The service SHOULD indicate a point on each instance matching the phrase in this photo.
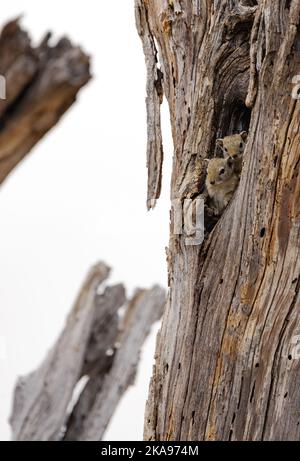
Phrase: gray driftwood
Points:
(41, 84)
(143, 310)
(101, 343)
(153, 101)
(231, 371)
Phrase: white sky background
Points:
(79, 198)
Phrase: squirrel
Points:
(233, 147)
(221, 182)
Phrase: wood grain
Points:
(101, 344)
(224, 368)
(41, 84)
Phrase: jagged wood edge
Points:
(41, 84)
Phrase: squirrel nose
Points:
(212, 182)
(235, 156)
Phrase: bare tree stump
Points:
(41, 84)
(230, 371)
(142, 311)
(100, 343)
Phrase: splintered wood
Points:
(101, 342)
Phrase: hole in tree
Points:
(287, 4)
(250, 2)
(238, 117)
(193, 416)
(171, 6)
(235, 117)
(231, 116)
(263, 232)
(240, 395)
(252, 393)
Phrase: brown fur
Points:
(233, 146)
(221, 182)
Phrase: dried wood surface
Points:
(99, 342)
(41, 84)
(230, 371)
(153, 101)
(144, 309)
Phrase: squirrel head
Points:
(219, 170)
(233, 146)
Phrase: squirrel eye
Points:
(222, 171)
(225, 148)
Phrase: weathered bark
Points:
(41, 84)
(225, 368)
(153, 102)
(41, 398)
(95, 344)
(143, 310)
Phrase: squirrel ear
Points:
(219, 142)
(205, 161)
(244, 135)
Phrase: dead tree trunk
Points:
(227, 365)
(40, 85)
(100, 343)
